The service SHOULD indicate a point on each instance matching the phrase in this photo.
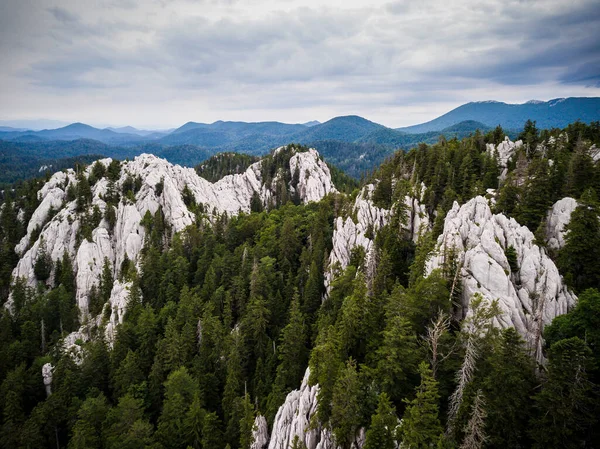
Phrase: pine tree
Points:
(397, 357)
(345, 407)
(507, 389)
(578, 258)
(247, 423)
(212, 436)
(43, 264)
(194, 421)
(566, 403)
(382, 433)
(421, 428)
(293, 353)
(87, 431)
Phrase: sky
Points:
(158, 64)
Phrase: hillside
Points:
(352, 143)
(556, 113)
(145, 306)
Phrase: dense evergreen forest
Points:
(224, 318)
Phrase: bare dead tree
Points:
(463, 378)
(475, 436)
(438, 327)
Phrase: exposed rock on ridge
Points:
(294, 419)
(558, 217)
(231, 194)
(365, 220)
(529, 297)
(504, 151)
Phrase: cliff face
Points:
(529, 289)
(558, 217)
(59, 222)
(295, 419)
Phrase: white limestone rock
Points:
(530, 298)
(314, 180)
(47, 370)
(294, 418)
(349, 233)
(505, 150)
(231, 194)
(119, 296)
(594, 153)
(260, 433)
(558, 217)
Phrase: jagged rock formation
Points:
(558, 217)
(364, 221)
(260, 433)
(530, 295)
(314, 180)
(504, 151)
(47, 370)
(59, 232)
(294, 418)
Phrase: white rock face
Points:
(529, 298)
(314, 180)
(558, 217)
(231, 194)
(47, 370)
(294, 417)
(505, 150)
(595, 153)
(260, 433)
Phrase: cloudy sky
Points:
(161, 63)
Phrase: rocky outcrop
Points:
(295, 419)
(314, 178)
(529, 294)
(260, 433)
(60, 222)
(364, 220)
(558, 217)
(504, 151)
(47, 370)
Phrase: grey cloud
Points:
(587, 74)
(62, 15)
(404, 52)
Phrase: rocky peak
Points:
(557, 218)
(56, 225)
(528, 287)
(365, 219)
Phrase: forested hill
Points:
(556, 113)
(450, 301)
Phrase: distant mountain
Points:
(221, 134)
(556, 113)
(312, 123)
(74, 131)
(346, 129)
(33, 125)
(10, 129)
(141, 132)
(352, 143)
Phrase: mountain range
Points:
(353, 143)
(556, 113)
